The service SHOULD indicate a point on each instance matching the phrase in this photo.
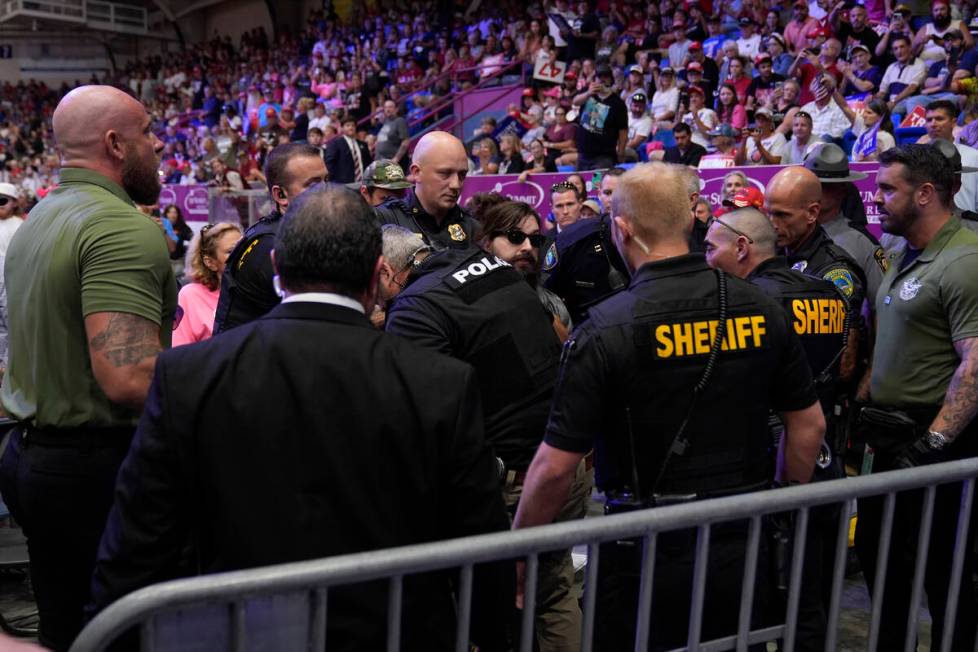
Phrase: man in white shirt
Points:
(639, 125)
(942, 115)
(9, 222)
(749, 43)
(827, 117)
(904, 77)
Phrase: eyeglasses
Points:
(415, 259)
(717, 220)
(517, 237)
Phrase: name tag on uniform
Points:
(695, 338)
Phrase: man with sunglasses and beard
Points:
(476, 306)
(511, 232)
(91, 302)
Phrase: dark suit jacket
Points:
(339, 160)
(305, 434)
(691, 157)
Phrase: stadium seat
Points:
(848, 140)
(566, 168)
(905, 135)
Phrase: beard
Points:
(140, 180)
(942, 22)
(527, 267)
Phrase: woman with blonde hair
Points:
(197, 301)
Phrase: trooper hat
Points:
(829, 163)
(382, 173)
(952, 154)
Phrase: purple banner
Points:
(191, 200)
(536, 190)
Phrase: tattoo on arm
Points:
(961, 399)
(127, 340)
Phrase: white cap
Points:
(8, 190)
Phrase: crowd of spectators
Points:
(756, 82)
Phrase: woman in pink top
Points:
(197, 302)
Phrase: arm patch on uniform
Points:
(550, 259)
(881, 259)
(842, 279)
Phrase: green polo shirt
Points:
(84, 249)
(922, 311)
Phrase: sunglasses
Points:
(717, 220)
(563, 186)
(4, 201)
(517, 237)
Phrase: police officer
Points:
(582, 265)
(742, 243)
(247, 291)
(475, 307)
(922, 390)
(626, 388)
(439, 166)
(829, 163)
(895, 245)
(793, 202)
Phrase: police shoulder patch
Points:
(881, 259)
(550, 259)
(842, 278)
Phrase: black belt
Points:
(75, 437)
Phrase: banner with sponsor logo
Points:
(536, 190)
(191, 200)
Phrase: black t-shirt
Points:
(599, 124)
(867, 37)
(473, 307)
(628, 372)
(760, 88)
(579, 47)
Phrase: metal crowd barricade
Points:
(244, 207)
(218, 612)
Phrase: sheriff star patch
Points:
(550, 260)
(842, 279)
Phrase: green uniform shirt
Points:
(922, 311)
(84, 249)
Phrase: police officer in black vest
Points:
(438, 166)
(475, 307)
(247, 291)
(582, 265)
(655, 381)
(742, 243)
(793, 202)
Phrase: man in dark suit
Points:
(686, 152)
(307, 433)
(346, 156)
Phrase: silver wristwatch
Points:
(936, 440)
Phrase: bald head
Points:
(797, 182)
(439, 166)
(86, 114)
(793, 200)
(756, 226)
(739, 241)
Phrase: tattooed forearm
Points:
(127, 340)
(961, 399)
